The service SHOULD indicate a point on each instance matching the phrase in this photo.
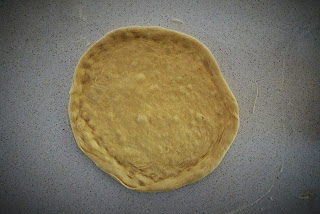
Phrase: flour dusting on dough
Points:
(98, 75)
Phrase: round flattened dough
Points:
(150, 107)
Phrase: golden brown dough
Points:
(150, 107)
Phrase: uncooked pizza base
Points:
(151, 108)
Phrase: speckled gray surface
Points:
(272, 43)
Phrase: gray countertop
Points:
(273, 165)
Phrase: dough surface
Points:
(150, 107)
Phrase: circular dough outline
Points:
(106, 162)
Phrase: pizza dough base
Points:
(151, 108)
